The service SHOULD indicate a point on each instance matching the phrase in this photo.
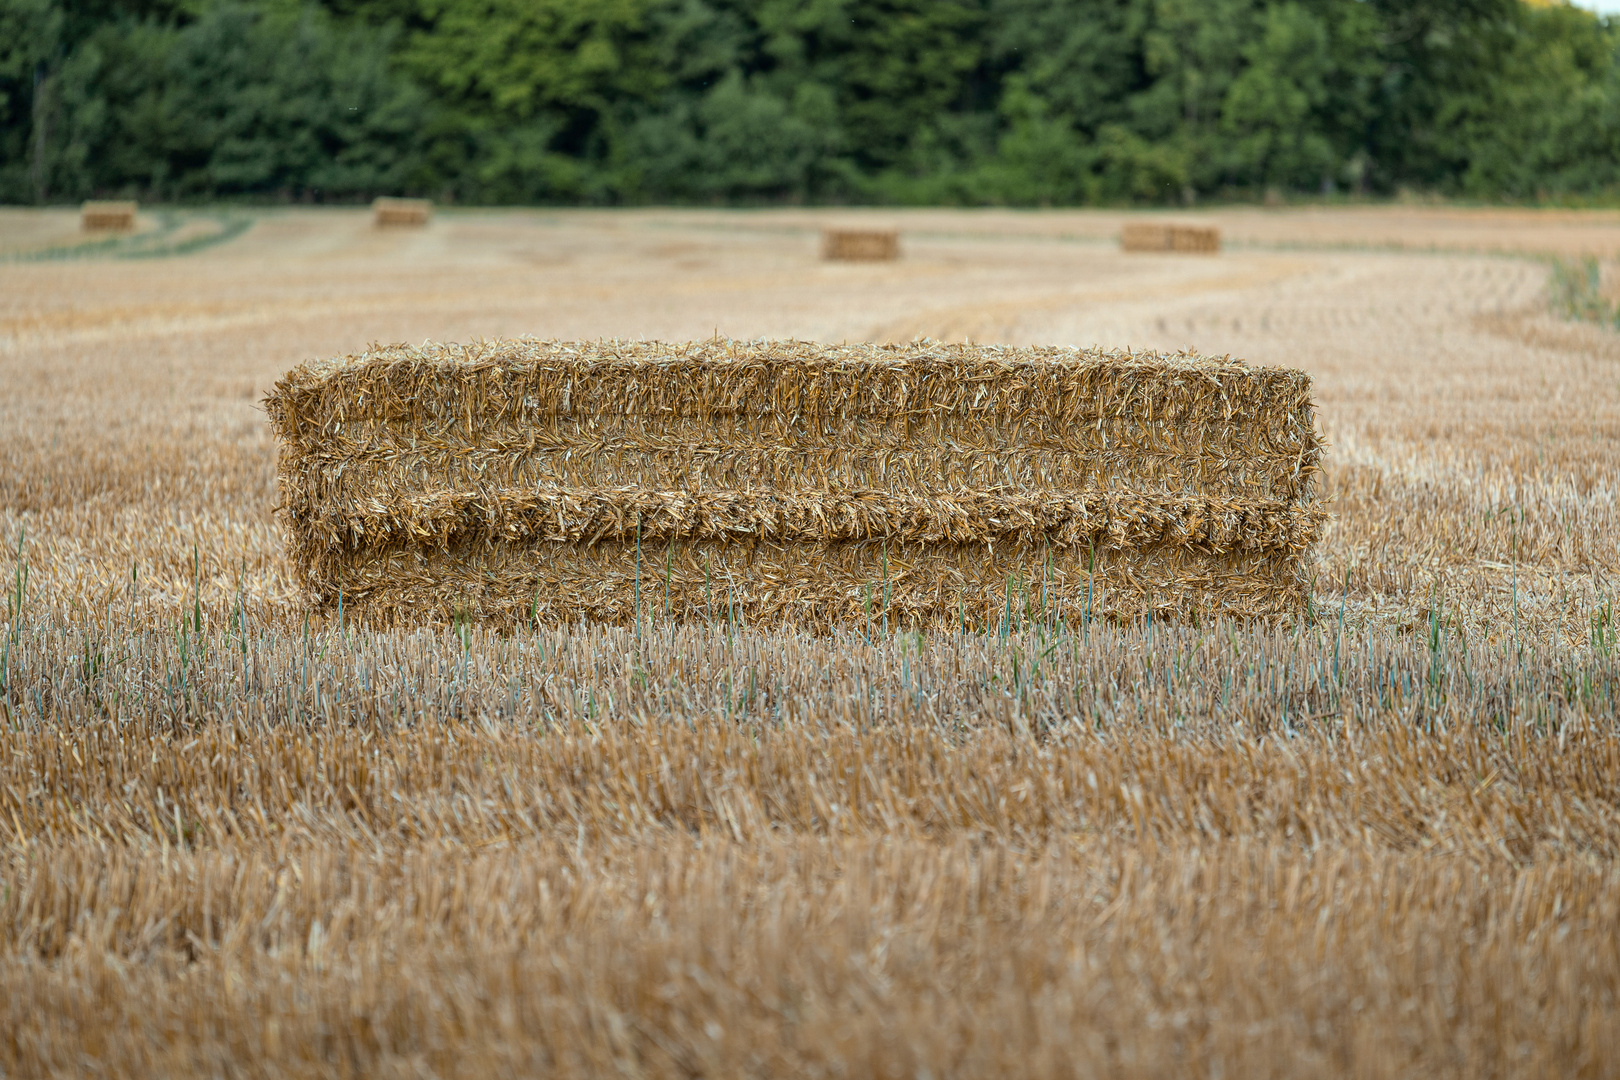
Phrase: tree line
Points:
(1015, 102)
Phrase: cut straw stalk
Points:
(508, 480)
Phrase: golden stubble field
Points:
(1386, 840)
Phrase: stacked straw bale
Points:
(860, 245)
(784, 482)
(388, 212)
(97, 216)
(1188, 239)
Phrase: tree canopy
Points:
(1019, 102)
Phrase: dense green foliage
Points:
(959, 101)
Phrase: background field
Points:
(1384, 839)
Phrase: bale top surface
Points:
(725, 355)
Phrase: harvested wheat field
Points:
(248, 831)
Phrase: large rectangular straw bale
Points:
(794, 483)
(860, 245)
(101, 216)
(1192, 239)
(385, 212)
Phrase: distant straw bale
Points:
(95, 216)
(860, 245)
(401, 211)
(789, 483)
(1188, 239)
